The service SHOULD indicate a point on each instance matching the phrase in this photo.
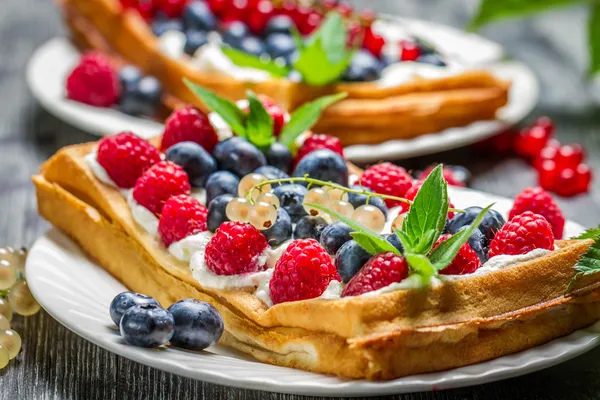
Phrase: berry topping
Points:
(188, 124)
(276, 112)
(281, 229)
(280, 45)
(373, 42)
(303, 272)
(141, 97)
(466, 261)
(389, 179)
(380, 271)
(124, 301)
(217, 212)
(325, 165)
(309, 227)
(236, 248)
(291, 198)
(239, 156)
(538, 201)
(94, 81)
(125, 157)
(532, 140)
(259, 16)
(182, 216)
(196, 161)
(197, 324)
(221, 182)
(279, 156)
(569, 156)
(147, 325)
(522, 234)
(320, 141)
(158, 184)
(492, 222)
(349, 259)
(234, 33)
(193, 41)
(358, 200)
(364, 67)
(334, 236)
(171, 8)
(409, 50)
(280, 24)
(198, 17)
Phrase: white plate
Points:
(77, 292)
(52, 62)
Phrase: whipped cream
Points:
(199, 194)
(406, 71)
(186, 247)
(92, 160)
(172, 43)
(142, 216)
(210, 58)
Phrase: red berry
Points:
(276, 112)
(125, 157)
(146, 9)
(158, 184)
(320, 141)
(547, 174)
(182, 216)
(300, 15)
(236, 248)
(128, 3)
(412, 193)
(566, 183)
(448, 175)
(373, 42)
(354, 31)
(303, 272)
(539, 201)
(584, 178)
(531, 141)
(547, 124)
(549, 152)
(380, 271)
(236, 10)
(288, 8)
(312, 22)
(188, 124)
(389, 179)
(522, 234)
(218, 7)
(569, 156)
(171, 8)
(499, 144)
(465, 262)
(94, 81)
(259, 15)
(409, 50)
(344, 9)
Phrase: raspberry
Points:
(537, 200)
(171, 8)
(125, 157)
(412, 193)
(523, 233)
(188, 124)
(94, 81)
(158, 184)
(303, 272)
(275, 111)
(465, 262)
(409, 50)
(182, 216)
(449, 174)
(235, 249)
(373, 42)
(380, 271)
(259, 16)
(387, 178)
(316, 142)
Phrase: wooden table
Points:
(57, 364)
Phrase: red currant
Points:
(373, 42)
(218, 7)
(236, 11)
(288, 8)
(569, 156)
(545, 123)
(547, 153)
(312, 22)
(409, 50)
(345, 9)
(300, 16)
(566, 183)
(172, 8)
(584, 178)
(548, 174)
(259, 16)
(531, 141)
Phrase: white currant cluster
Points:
(257, 206)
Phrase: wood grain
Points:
(57, 364)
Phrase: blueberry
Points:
(197, 324)
(363, 67)
(325, 165)
(460, 173)
(239, 156)
(334, 236)
(124, 301)
(221, 182)
(281, 229)
(279, 156)
(289, 60)
(252, 45)
(480, 244)
(309, 227)
(424, 47)
(234, 33)
(193, 41)
(195, 161)
(280, 45)
(349, 259)
(130, 76)
(217, 212)
(358, 200)
(290, 199)
(143, 99)
(280, 24)
(393, 239)
(147, 325)
(271, 172)
(160, 27)
(433, 59)
(492, 221)
(198, 16)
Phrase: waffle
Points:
(370, 114)
(380, 337)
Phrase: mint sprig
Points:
(259, 124)
(243, 59)
(589, 263)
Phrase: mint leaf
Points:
(594, 39)
(592, 233)
(366, 242)
(305, 117)
(420, 264)
(334, 35)
(589, 263)
(428, 212)
(259, 124)
(445, 252)
(404, 239)
(232, 115)
(248, 60)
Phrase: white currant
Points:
(22, 301)
(370, 217)
(4, 323)
(5, 308)
(262, 215)
(4, 357)
(11, 341)
(270, 198)
(342, 207)
(336, 194)
(314, 196)
(8, 274)
(248, 182)
(238, 209)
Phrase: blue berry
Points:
(280, 24)
(271, 172)
(349, 259)
(197, 16)
(334, 236)
(433, 59)
(160, 27)
(424, 47)
(195, 161)
(197, 324)
(363, 67)
(309, 227)
(281, 229)
(393, 239)
(280, 157)
(239, 156)
(325, 165)
(234, 33)
(143, 98)
(130, 76)
(280, 45)
(217, 212)
(193, 41)
(221, 182)
(480, 244)
(147, 325)
(124, 301)
(252, 45)
(290, 199)
(492, 221)
(289, 60)
(358, 200)
(461, 173)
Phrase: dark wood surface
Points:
(57, 364)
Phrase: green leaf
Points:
(367, 242)
(420, 264)
(445, 252)
(589, 263)
(305, 117)
(493, 10)
(592, 233)
(428, 212)
(232, 115)
(243, 59)
(259, 124)
(405, 240)
(594, 39)
(297, 38)
(334, 35)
